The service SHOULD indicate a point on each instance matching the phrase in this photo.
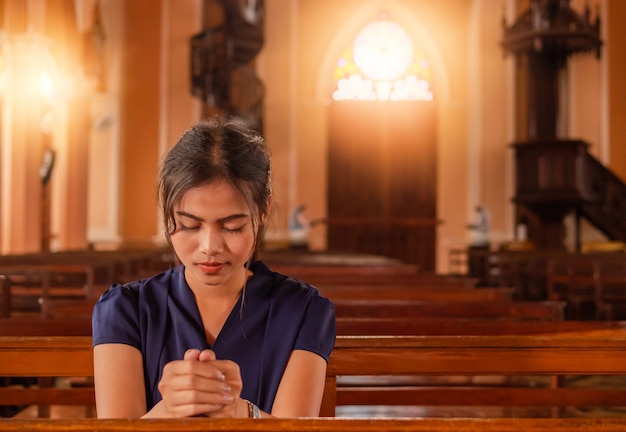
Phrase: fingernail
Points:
(226, 389)
(228, 397)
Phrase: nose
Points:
(212, 241)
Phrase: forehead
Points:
(217, 198)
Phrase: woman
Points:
(220, 335)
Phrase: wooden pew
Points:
(317, 425)
(562, 355)
(363, 275)
(41, 282)
(46, 359)
(353, 356)
(80, 325)
(111, 265)
(402, 292)
(387, 308)
(394, 308)
(435, 326)
(71, 274)
(531, 310)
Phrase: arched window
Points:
(382, 64)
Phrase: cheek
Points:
(182, 241)
(242, 244)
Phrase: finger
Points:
(192, 354)
(228, 367)
(207, 355)
(184, 403)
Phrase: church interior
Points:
(470, 142)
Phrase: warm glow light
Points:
(46, 84)
(382, 65)
(383, 50)
(29, 70)
(354, 88)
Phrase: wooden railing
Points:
(316, 425)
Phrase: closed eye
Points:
(233, 229)
(188, 228)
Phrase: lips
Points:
(211, 268)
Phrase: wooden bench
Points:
(368, 276)
(79, 325)
(29, 281)
(39, 283)
(393, 308)
(354, 356)
(546, 274)
(316, 425)
(402, 292)
(435, 326)
(561, 355)
(42, 360)
(520, 310)
(588, 282)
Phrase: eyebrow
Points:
(222, 220)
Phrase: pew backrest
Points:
(512, 355)
(521, 310)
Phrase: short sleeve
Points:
(115, 318)
(318, 331)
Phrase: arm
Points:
(302, 386)
(118, 381)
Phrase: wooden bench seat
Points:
(316, 425)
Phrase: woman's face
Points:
(214, 236)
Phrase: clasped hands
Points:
(199, 384)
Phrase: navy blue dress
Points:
(159, 317)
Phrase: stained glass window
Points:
(382, 64)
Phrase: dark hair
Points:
(217, 149)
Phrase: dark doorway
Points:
(382, 179)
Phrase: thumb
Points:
(207, 355)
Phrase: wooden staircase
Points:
(222, 55)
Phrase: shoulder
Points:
(147, 289)
(289, 289)
(120, 313)
(282, 283)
